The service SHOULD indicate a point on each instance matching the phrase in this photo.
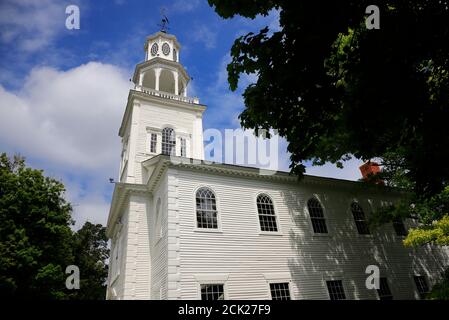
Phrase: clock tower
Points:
(160, 117)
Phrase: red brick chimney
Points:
(370, 169)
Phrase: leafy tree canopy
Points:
(335, 89)
(90, 247)
(37, 243)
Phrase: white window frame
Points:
(370, 234)
(217, 205)
(155, 135)
(333, 276)
(183, 145)
(309, 218)
(158, 132)
(276, 215)
(389, 287)
(175, 136)
(213, 278)
(345, 292)
(426, 279)
(278, 277)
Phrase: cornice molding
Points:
(255, 173)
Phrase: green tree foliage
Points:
(90, 249)
(37, 243)
(35, 234)
(440, 291)
(434, 218)
(336, 89)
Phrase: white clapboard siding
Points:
(245, 255)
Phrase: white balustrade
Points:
(167, 95)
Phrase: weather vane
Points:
(164, 22)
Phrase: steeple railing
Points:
(167, 95)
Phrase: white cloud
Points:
(66, 117)
(90, 201)
(183, 6)
(31, 25)
(68, 121)
(204, 35)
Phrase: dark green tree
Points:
(35, 234)
(336, 89)
(90, 249)
(37, 242)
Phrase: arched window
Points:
(317, 216)
(168, 142)
(267, 217)
(359, 218)
(206, 209)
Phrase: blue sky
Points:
(63, 92)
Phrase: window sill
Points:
(321, 235)
(207, 230)
(148, 153)
(270, 233)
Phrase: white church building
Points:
(182, 228)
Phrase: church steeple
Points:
(161, 73)
(160, 118)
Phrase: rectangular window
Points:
(421, 285)
(153, 143)
(384, 292)
(212, 292)
(183, 147)
(336, 290)
(280, 291)
(399, 227)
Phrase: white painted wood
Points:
(167, 256)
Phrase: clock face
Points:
(165, 49)
(154, 49)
